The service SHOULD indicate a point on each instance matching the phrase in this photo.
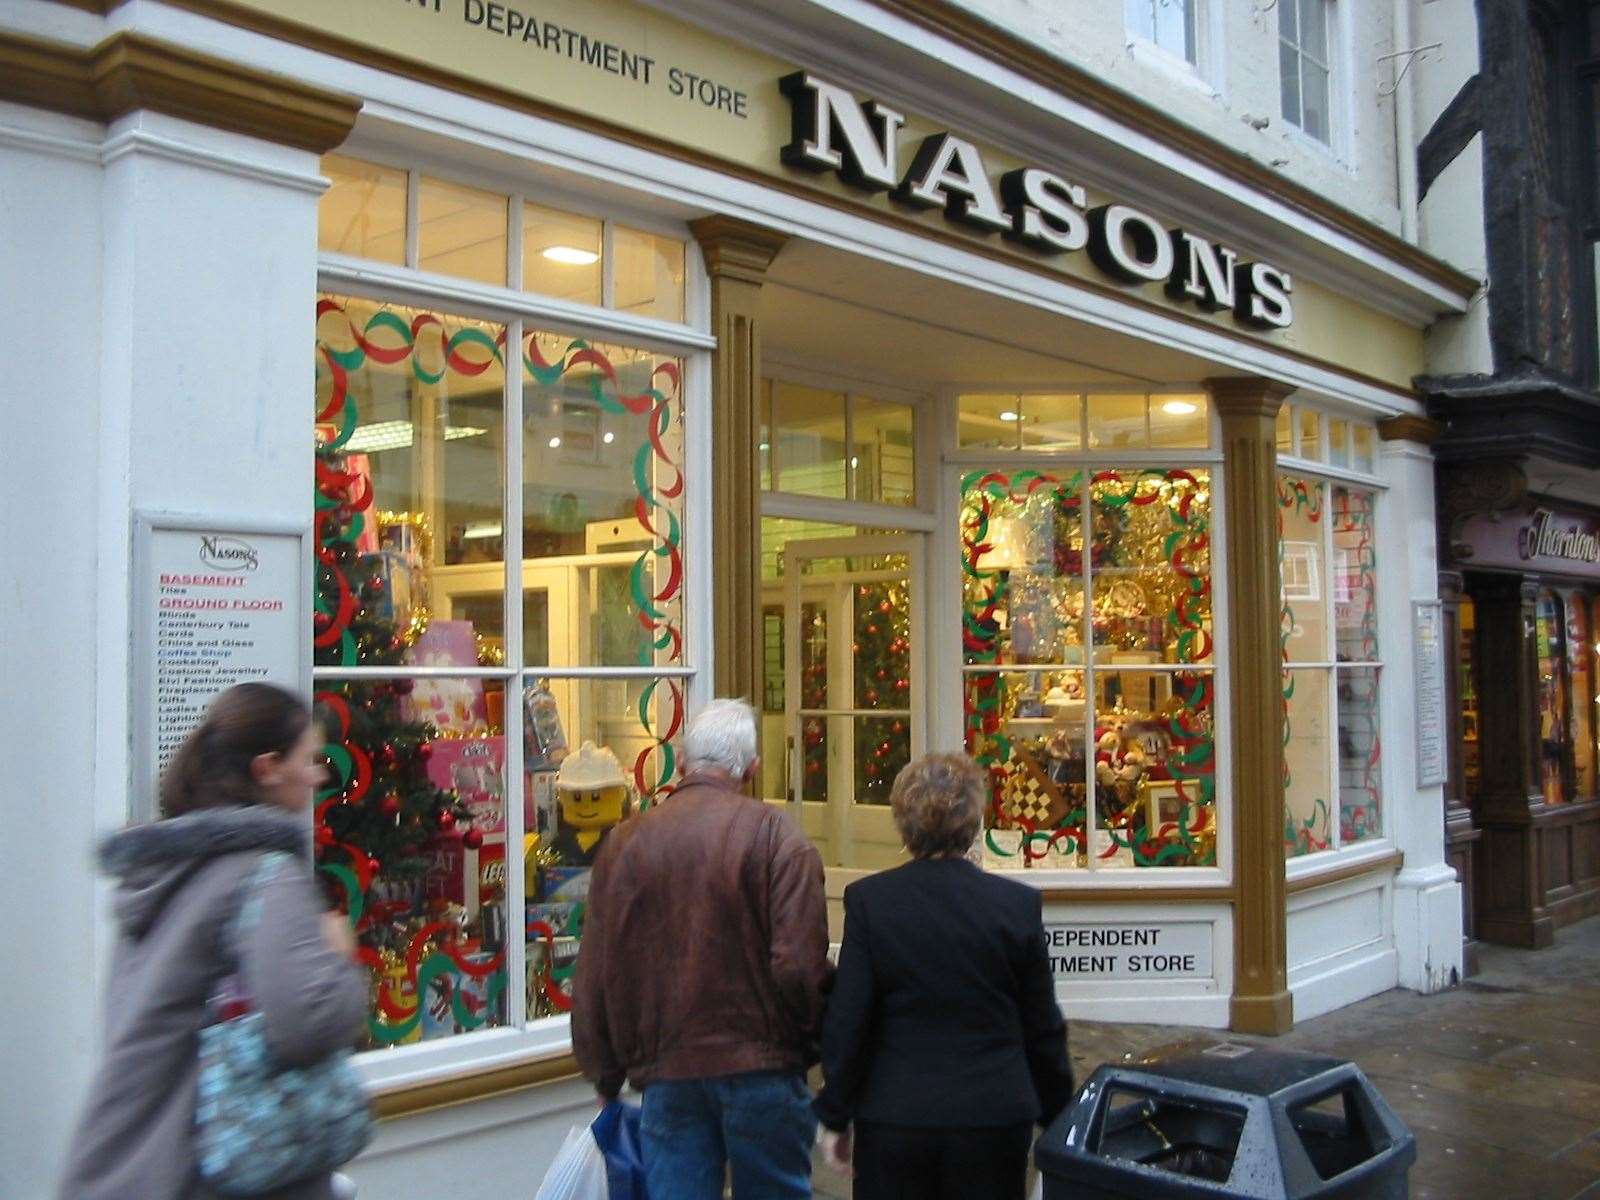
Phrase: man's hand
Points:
(836, 1151)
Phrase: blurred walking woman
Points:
(942, 1041)
(237, 789)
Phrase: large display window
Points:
(1328, 635)
(500, 646)
(1088, 639)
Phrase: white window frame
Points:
(1340, 854)
(1206, 69)
(948, 671)
(519, 1040)
(1333, 33)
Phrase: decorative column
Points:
(1510, 906)
(737, 256)
(1460, 834)
(1427, 894)
(1249, 409)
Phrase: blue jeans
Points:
(760, 1123)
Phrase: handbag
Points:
(260, 1126)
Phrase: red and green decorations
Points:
(1356, 641)
(1301, 501)
(1087, 607)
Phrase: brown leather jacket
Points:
(705, 943)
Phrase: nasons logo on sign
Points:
(830, 130)
(227, 553)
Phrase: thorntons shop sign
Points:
(830, 130)
(1534, 539)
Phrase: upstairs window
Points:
(1170, 24)
(1303, 64)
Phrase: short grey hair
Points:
(937, 803)
(722, 736)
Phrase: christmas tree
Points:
(883, 680)
(380, 809)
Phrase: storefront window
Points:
(836, 445)
(1555, 732)
(1580, 676)
(464, 232)
(410, 640)
(1087, 636)
(363, 212)
(1328, 564)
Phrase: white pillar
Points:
(1427, 895)
(160, 307)
(49, 610)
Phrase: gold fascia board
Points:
(950, 20)
(470, 1085)
(129, 72)
(350, 50)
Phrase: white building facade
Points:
(569, 368)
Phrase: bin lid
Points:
(1237, 1067)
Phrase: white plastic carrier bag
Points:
(578, 1172)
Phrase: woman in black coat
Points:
(943, 1045)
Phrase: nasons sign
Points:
(830, 130)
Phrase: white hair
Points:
(722, 735)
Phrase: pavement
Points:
(1499, 1078)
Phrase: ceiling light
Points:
(574, 256)
(854, 462)
(555, 443)
(480, 531)
(1010, 415)
(398, 435)
(608, 437)
(768, 446)
(1178, 408)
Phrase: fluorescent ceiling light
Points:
(608, 437)
(555, 443)
(1178, 408)
(571, 255)
(398, 435)
(768, 446)
(480, 531)
(854, 462)
(1009, 415)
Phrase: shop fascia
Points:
(830, 130)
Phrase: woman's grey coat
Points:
(180, 886)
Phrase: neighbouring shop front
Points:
(1525, 584)
(513, 413)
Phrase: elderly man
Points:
(701, 974)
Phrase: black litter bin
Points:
(1230, 1120)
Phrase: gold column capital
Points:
(1408, 428)
(130, 71)
(1247, 395)
(736, 249)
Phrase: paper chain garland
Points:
(388, 339)
(1191, 758)
(1314, 833)
(1352, 525)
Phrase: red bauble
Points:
(324, 836)
(447, 820)
(472, 839)
(373, 864)
(424, 751)
(885, 607)
(386, 754)
(389, 806)
(321, 620)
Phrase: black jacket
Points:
(943, 1013)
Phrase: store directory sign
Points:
(216, 603)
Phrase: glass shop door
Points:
(853, 702)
